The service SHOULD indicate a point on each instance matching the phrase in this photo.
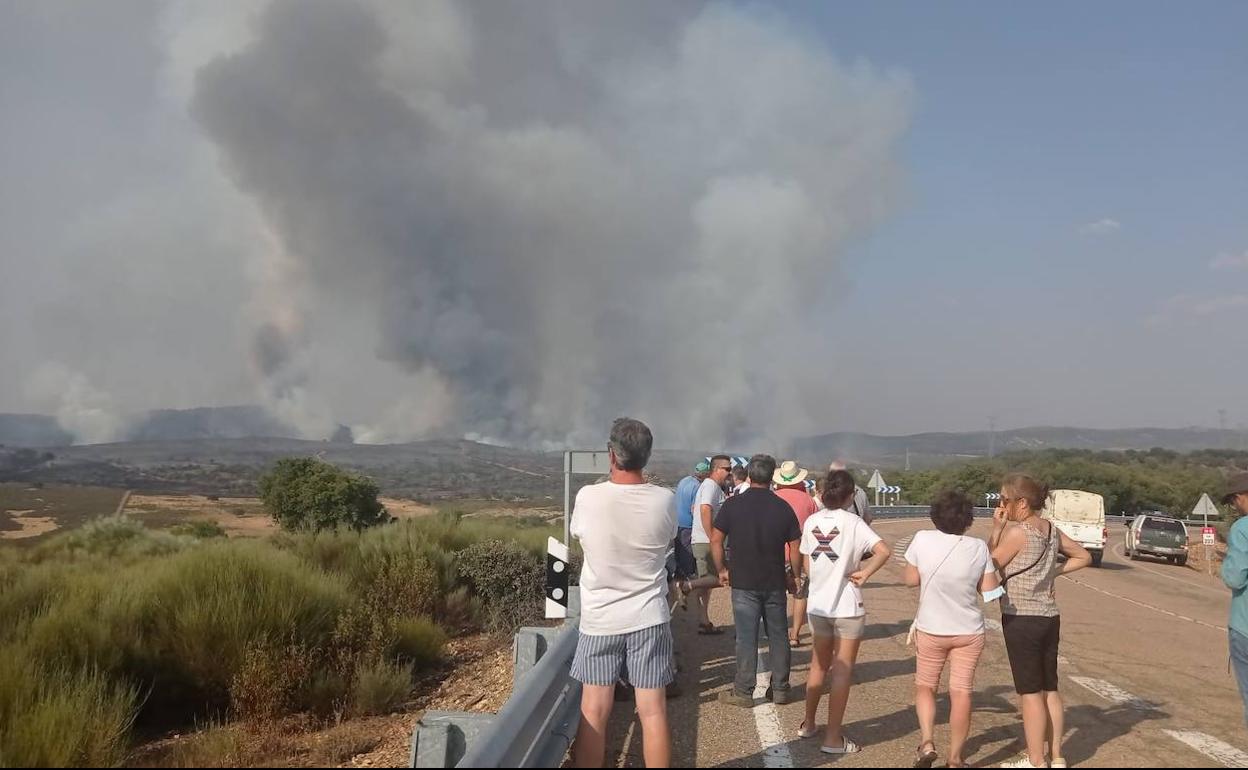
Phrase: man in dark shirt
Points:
(758, 523)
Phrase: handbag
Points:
(923, 590)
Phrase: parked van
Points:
(1081, 515)
(1154, 535)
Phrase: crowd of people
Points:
(793, 556)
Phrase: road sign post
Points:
(876, 483)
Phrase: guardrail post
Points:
(442, 737)
(529, 647)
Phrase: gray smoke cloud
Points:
(548, 215)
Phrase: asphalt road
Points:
(1144, 674)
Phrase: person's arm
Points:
(989, 582)
(911, 576)
(1077, 557)
(717, 554)
(796, 561)
(1006, 545)
(880, 555)
(708, 525)
(999, 525)
(1235, 565)
(866, 509)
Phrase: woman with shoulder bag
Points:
(951, 571)
(1025, 548)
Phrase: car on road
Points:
(1153, 535)
(1081, 516)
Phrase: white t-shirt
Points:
(710, 494)
(744, 486)
(835, 541)
(625, 531)
(950, 592)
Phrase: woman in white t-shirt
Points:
(833, 543)
(952, 571)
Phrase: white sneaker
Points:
(1022, 762)
(1057, 763)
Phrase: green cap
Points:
(702, 467)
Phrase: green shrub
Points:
(304, 494)
(200, 530)
(380, 688)
(271, 681)
(55, 717)
(418, 641)
(508, 578)
(115, 538)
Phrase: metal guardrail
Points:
(536, 725)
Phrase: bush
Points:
(200, 530)
(418, 641)
(380, 688)
(509, 580)
(271, 681)
(113, 538)
(306, 494)
(55, 717)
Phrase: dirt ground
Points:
(28, 512)
(474, 676)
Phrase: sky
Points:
(735, 221)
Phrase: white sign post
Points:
(1204, 509)
(876, 483)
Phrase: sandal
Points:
(684, 589)
(803, 732)
(926, 758)
(849, 748)
(709, 629)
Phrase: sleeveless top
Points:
(1032, 593)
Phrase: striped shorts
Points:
(642, 658)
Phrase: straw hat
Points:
(789, 474)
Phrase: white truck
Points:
(1081, 516)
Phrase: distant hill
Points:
(32, 430)
(210, 422)
(928, 449)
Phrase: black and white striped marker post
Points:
(556, 579)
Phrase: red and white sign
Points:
(1210, 535)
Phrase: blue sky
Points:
(1033, 123)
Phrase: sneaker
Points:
(1057, 763)
(781, 698)
(733, 698)
(1021, 762)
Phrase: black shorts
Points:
(1031, 643)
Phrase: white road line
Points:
(1211, 747)
(770, 731)
(1120, 550)
(1142, 604)
(1113, 694)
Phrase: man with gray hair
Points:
(758, 524)
(625, 526)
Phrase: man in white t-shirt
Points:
(706, 507)
(625, 527)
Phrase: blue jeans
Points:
(748, 607)
(1239, 659)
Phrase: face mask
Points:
(994, 594)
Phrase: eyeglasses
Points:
(723, 467)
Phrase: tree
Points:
(304, 494)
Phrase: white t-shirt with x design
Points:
(836, 541)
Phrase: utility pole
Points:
(992, 437)
(907, 459)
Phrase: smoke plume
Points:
(548, 215)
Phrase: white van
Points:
(1081, 515)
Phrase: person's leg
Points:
(649, 660)
(929, 664)
(824, 645)
(779, 654)
(591, 737)
(747, 607)
(799, 620)
(596, 665)
(705, 582)
(1239, 659)
(656, 739)
(1052, 700)
(843, 657)
(1035, 725)
(964, 659)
